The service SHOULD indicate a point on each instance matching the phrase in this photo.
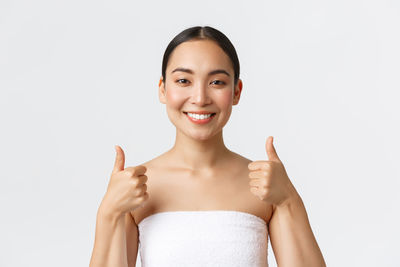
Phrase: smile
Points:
(199, 118)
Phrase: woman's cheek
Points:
(174, 98)
(226, 99)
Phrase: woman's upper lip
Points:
(199, 112)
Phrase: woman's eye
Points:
(221, 82)
(181, 80)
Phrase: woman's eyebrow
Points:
(210, 73)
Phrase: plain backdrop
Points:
(78, 77)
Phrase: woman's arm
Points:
(292, 239)
(110, 248)
(132, 238)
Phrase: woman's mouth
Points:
(199, 118)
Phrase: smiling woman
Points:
(199, 203)
(200, 75)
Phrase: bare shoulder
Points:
(233, 185)
(153, 168)
(265, 210)
(242, 161)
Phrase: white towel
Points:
(203, 238)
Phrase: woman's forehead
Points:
(199, 56)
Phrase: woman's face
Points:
(197, 89)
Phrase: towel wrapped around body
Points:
(203, 238)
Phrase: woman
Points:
(200, 204)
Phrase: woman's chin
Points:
(201, 136)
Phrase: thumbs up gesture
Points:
(127, 187)
(268, 178)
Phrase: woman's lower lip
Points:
(200, 121)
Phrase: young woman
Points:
(199, 203)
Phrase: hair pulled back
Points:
(203, 33)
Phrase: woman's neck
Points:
(199, 155)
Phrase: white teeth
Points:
(199, 117)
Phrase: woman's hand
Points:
(269, 180)
(127, 187)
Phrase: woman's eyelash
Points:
(221, 82)
(181, 80)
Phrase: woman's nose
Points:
(200, 95)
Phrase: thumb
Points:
(119, 159)
(271, 152)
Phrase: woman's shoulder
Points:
(240, 159)
(156, 162)
(153, 169)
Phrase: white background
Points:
(78, 77)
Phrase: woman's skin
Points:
(199, 148)
(200, 173)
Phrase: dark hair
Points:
(203, 33)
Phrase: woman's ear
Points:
(161, 91)
(237, 91)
